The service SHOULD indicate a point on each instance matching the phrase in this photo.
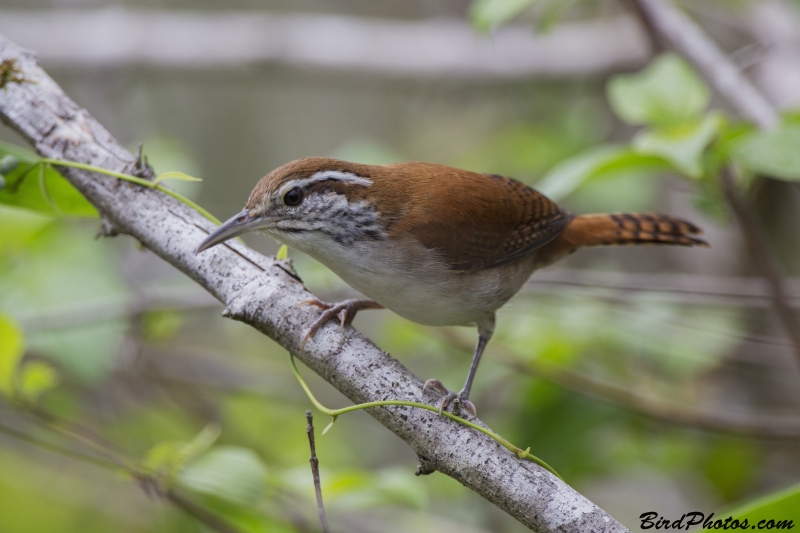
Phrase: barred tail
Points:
(608, 230)
(603, 230)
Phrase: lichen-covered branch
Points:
(263, 293)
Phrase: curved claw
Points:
(316, 303)
(329, 313)
(346, 310)
(467, 406)
(447, 399)
(436, 385)
(450, 398)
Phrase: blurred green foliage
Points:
(667, 93)
(488, 15)
(209, 408)
(40, 188)
(781, 506)
(11, 350)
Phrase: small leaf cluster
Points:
(51, 194)
(231, 473)
(21, 380)
(46, 192)
(488, 15)
(679, 135)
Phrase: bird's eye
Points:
(293, 197)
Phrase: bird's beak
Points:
(229, 229)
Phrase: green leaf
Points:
(12, 346)
(283, 253)
(24, 189)
(202, 442)
(774, 153)
(171, 158)
(603, 161)
(778, 506)
(668, 92)
(553, 13)
(36, 378)
(60, 273)
(683, 145)
(160, 325)
(329, 426)
(19, 228)
(231, 473)
(167, 458)
(488, 15)
(571, 173)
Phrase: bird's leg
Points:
(346, 311)
(485, 332)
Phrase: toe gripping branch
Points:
(345, 310)
(450, 397)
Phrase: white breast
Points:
(414, 283)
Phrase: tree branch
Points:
(151, 485)
(698, 289)
(261, 292)
(211, 520)
(761, 255)
(426, 48)
(688, 38)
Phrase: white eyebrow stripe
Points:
(324, 175)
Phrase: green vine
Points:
(334, 414)
(133, 179)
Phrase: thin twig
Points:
(315, 472)
(744, 291)
(79, 434)
(149, 483)
(203, 515)
(55, 448)
(755, 239)
(652, 35)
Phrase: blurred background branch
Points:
(201, 40)
(152, 484)
(650, 379)
(688, 38)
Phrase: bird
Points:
(435, 244)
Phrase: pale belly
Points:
(415, 285)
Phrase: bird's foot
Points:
(345, 310)
(459, 400)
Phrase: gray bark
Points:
(259, 291)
